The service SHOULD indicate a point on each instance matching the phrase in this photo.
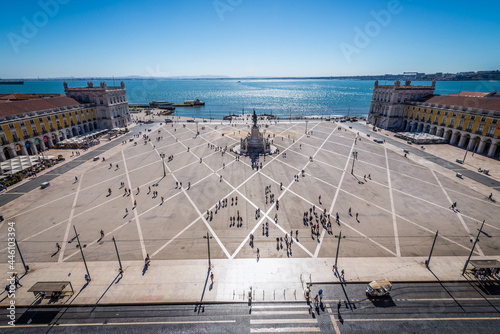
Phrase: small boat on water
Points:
(11, 82)
(191, 103)
(162, 105)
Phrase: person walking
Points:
(339, 305)
(212, 277)
(120, 272)
(258, 254)
(350, 212)
(102, 234)
(357, 216)
(58, 247)
(76, 179)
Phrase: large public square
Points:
(401, 205)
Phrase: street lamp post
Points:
(472, 250)
(117, 254)
(306, 126)
(432, 248)
(162, 155)
(208, 237)
(26, 268)
(354, 157)
(338, 247)
(81, 251)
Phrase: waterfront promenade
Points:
(401, 203)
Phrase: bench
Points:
(52, 289)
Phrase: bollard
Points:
(295, 294)
(284, 296)
(274, 293)
(263, 295)
(234, 293)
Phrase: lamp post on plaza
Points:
(162, 155)
(26, 268)
(81, 251)
(306, 126)
(354, 157)
(208, 237)
(472, 250)
(338, 247)
(197, 132)
(117, 254)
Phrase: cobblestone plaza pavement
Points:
(401, 206)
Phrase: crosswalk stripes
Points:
(291, 318)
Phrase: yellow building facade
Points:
(472, 128)
(33, 132)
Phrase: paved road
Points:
(424, 307)
(481, 178)
(51, 174)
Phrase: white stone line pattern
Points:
(196, 208)
(266, 214)
(318, 247)
(466, 228)
(138, 223)
(70, 220)
(393, 209)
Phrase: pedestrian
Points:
(258, 254)
(162, 200)
(16, 280)
(102, 234)
(342, 274)
(87, 278)
(297, 235)
(147, 261)
(356, 216)
(58, 246)
(369, 176)
(339, 305)
(126, 211)
(120, 272)
(76, 179)
(189, 185)
(135, 203)
(491, 196)
(212, 277)
(350, 212)
(319, 199)
(263, 229)
(138, 190)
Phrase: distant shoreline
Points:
(488, 77)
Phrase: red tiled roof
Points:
(470, 94)
(27, 106)
(464, 101)
(18, 96)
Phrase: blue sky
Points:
(241, 38)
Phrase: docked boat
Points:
(11, 82)
(162, 105)
(191, 103)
